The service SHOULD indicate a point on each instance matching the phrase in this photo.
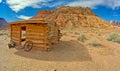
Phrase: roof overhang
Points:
(30, 21)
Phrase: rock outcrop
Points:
(72, 17)
(114, 23)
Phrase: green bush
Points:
(117, 40)
(114, 37)
(82, 38)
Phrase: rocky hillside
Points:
(72, 17)
(3, 23)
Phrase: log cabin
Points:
(35, 33)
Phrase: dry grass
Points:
(77, 33)
(4, 32)
(94, 43)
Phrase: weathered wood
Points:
(29, 21)
(16, 32)
(15, 38)
(16, 29)
(36, 30)
(16, 35)
(37, 37)
(36, 34)
(11, 31)
(40, 33)
(17, 42)
(38, 41)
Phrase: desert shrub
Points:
(114, 37)
(82, 38)
(3, 34)
(94, 43)
(99, 34)
(117, 40)
(77, 33)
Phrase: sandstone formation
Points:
(72, 17)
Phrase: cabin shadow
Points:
(64, 51)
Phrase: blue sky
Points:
(13, 10)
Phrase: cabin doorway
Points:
(23, 34)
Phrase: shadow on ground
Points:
(64, 51)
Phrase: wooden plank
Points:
(39, 41)
(38, 25)
(16, 35)
(16, 32)
(36, 30)
(35, 27)
(15, 38)
(16, 28)
(10, 31)
(17, 42)
(36, 34)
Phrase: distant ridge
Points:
(115, 23)
(3, 24)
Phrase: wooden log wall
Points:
(16, 34)
(54, 34)
(37, 34)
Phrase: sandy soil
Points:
(69, 55)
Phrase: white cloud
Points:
(24, 17)
(57, 4)
(86, 3)
(17, 5)
(113, 3)
(93, 3)
(0, 1)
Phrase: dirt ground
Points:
(69, 55)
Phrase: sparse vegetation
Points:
(114, 37)
(64, 33)
(99, 34)
(94, 43)
(117, 40)
(2, 32)
(76, 33)
(82, 38)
